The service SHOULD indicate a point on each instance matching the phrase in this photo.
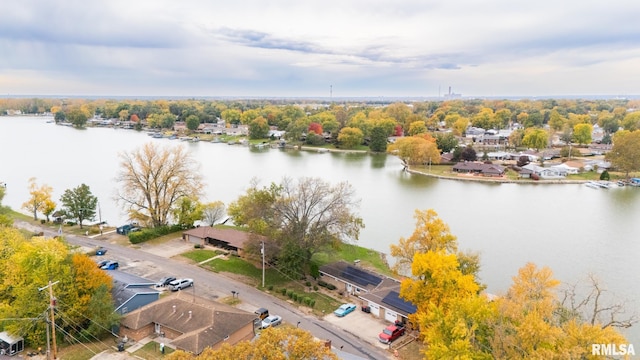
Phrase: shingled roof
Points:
(235, 238)
(201, 322)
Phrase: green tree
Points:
(40, 197)
(582, 133)
(309, 212)
(192, 122)
(152, 179)
(350, 137)
(535, 138)
(77, 117)
(231, 116)
(446, 142)
(378, 139)
(631, 121)
(59, 116)
(625, 153)
(187, 211)
(258, 128)
(79, 203)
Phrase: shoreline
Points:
(497, 180)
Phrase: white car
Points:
(272, 320)
(180, 284)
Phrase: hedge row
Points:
(326, 285)
(299, 298)
(152, 233)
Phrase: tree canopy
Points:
(79, 203)
(153, 178)
(40, 198)
(625, 154)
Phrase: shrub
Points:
(198, 246)
(289, 294)
(315, 287)
(283, 291)
(42, 221)
(322, 283)
(308, 283)
(312, 303)
(270, 287)
(152, 233)
(314, 270)
(331, 287)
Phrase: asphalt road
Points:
(212, 285)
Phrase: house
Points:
(545, 173)
(380, 293)
(479, 168)
(131, 292)
(564, 169)
(189, 323)
(228, 239)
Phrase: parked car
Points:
(101, 251)
(165, 281)
(135, 228)
(390, 333)
(262, 314)
(111, 265)
(271, 320)
(180, 284)
(124, 229)
(344, 309)
(102, 263)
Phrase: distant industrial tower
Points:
(330, 92)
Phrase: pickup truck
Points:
(390, 333)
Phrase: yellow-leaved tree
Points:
(40, 200)
(273, 344)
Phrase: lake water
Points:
(573, 229)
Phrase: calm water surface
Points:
(573, 229)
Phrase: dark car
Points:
(101, 251)
(124, 229)
(111, 265)
(165, 281)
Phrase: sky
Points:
(308, 48)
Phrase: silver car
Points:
(180, 284)
(272, 320)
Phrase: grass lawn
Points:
(201, 255)
(348, 252)
(151, 350)
(85, 351)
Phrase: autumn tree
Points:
(417, 127)
(315, 128)
(40, 196)
(82, 288)
(350, 137)
(416, 150)
(303, 215)
(273, 344)
(582, 133)
(187, 211)
(258, 128)
(77, 117)
(5, 218)
(625, 153)
(631, 121)
(535, 138)
(213, 212)
(48, 208)
(79, 203)
(152, 179)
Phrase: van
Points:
(262, 313)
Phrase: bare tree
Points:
(213, 212)
(595, 307)
(152, 179)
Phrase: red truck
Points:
(390, 333)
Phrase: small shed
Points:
(10, 345)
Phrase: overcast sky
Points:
(300, 48)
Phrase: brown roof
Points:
(202, 322)
(235, 238)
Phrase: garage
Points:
(375, 309)
(390, 316)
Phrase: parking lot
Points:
(360, 324)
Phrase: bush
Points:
(294, 297)
(331, 287)
(322, 283)
(152, 233)
(315, 287)
(290, 294)
(308, 284)
(42, 221)
(270, 287)
(198, 246)
(283, 291)
(314, 270)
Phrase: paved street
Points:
(355, 334)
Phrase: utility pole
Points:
(52, 306)
(262, 251)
